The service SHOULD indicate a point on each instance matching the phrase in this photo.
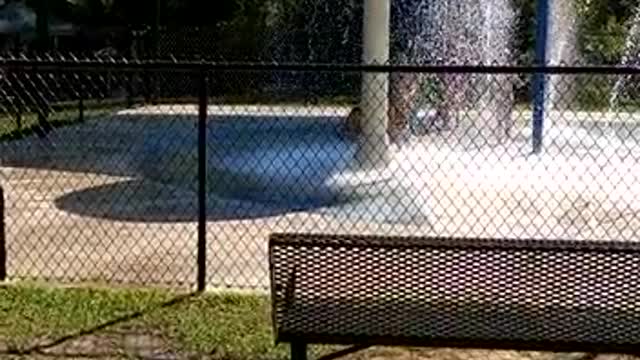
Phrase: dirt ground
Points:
(127, 344)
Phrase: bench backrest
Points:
(518, 294)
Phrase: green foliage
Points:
(605, 45)
(525, 30)
(245, 29)
(248, 27)
(603, 28)
(317, 31)
(594, 13)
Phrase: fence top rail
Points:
(13, 64)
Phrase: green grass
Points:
(63, 115)
(230, 326)
(221, 325)
(9, 129)
(30, 312)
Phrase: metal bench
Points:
(463, 293)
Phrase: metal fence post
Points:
(129, 90)
(3, 238)
(539, 78)
(155, 48)
(15, 101)
(81, 106)
(19, 120)
(202, 180)
(43, 40)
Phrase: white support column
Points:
(374, 147)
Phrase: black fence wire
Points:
(103, 183)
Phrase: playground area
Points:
(78, 207)
(149, 151)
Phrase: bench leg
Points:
(298, 351)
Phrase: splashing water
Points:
(631, 57)
(562, 50)
(422, 32)
(497, 44)
(463, 32)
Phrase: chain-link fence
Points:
(101, 185)
(116, 172)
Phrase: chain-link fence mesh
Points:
(175, 174)
(72, 146)
(104, 181)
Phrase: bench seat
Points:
(467, 293)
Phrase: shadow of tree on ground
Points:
(116, 338)
(143, 200)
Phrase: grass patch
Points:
(9, 129)
(207, 326)
(228, 326)
(29, 313)
(217, 325)
(63, 115)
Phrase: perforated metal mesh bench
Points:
(467, 293)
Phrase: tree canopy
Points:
(245, 23)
